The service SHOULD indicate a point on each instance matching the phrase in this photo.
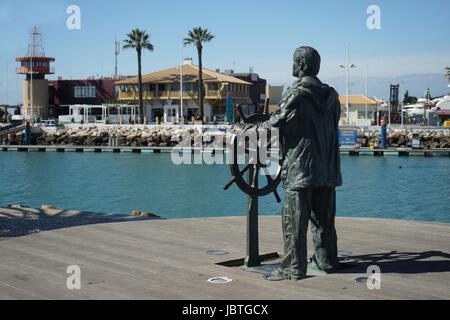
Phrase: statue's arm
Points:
(282, 117)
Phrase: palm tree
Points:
(138, 39)
(197, 36)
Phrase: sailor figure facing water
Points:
(307, 118)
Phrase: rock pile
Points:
(398, 138)
(121, 135)
(169, 136)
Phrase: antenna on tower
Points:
(116, 52)
(35, 47)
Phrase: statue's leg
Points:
(295, 216)
(323, 229)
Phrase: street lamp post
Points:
(365, 91)
(31, 86)
(401, 97)
(347, 67)
(181, 83)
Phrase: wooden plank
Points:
(167, 259)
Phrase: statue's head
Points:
(306, 62)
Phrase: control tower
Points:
(35, 65)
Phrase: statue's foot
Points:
(288, 276)
(313, 268)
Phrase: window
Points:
(187, 86)
(162, 87)
(213, 86)
(84, 91)
(174, 87)
(150, 87)
(116, 91)
(219, 110)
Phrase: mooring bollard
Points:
(383, 136)
(27, 133)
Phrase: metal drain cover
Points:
(219, 280)
(217, 252)
(361, 279)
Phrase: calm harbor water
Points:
(413, 188)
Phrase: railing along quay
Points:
(156, 149)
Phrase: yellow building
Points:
(162, 94)
(274, 93)
(357, 105)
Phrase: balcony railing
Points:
(126, 94)
(187, 94)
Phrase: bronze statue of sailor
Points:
(308, 121)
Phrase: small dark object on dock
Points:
(144, 214)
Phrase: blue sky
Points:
(262, 34)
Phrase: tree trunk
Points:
(141, 105)
(200, 82)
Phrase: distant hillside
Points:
(416, 84)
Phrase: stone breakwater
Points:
(169, 136)
(400, 138)
(134, 136)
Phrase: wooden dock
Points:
(168, 259)
(156, 149)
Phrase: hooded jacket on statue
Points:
(308, 120)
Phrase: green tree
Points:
(197, 36)
(139, 39)
(409, 99)
(448, 73)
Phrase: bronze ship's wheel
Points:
(254, 168)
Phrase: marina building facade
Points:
(358, 106)
(91, 91)
(257, 90)
(172, 93)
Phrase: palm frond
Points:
(138, 39)
(197, 36)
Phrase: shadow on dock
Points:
(21, 221)
(398, 262)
